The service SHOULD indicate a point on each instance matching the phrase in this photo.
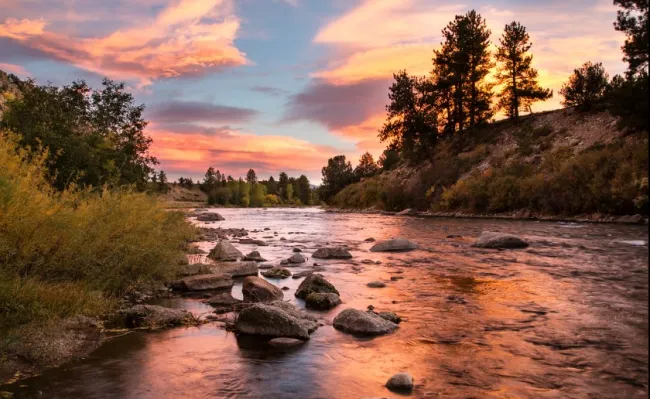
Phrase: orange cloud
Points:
(177, 42)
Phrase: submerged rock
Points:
(285, 342)
(155, 316)
(315, 283)
(237, 269)
(277, 272)
(332, 253)
(204, 282)
(254, 256)
(322, 301)
(209, 217)
(253, 241)
(222, 299)
(224, 251)
(394, 245)
(356, 321)
(376, 284)
(296, 249)
(369, 239)
(401, 382)
(303, 274)
(390, 316)
(296, 258)
(489, 239)
(257, 289)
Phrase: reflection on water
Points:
(567, 317)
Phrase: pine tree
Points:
(518, 77)
(586, 86)
(366, 167)
(251, 177)
(633, 21)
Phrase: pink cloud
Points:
(15, 69)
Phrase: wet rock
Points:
(314, 284)
(296, 249)
(237, 269)
(296, 259)
(358, 322)
(209, 217)
(266, 266)
(259, 243)
(331, 253)
(454, 236)
(322, 301)
(400, 382)
(395, 278)
(255, 257)
(283, 239)
(394, 245)
(284, 262)
(489, 239)
(155, 316)
(224, 251)
(222, 299)
(305, 318)
(285, 342)
(270, 321)
(376, 284)
(368, 262)
(407, 212)
(370, 239)
(204, 282)
(390, 316)
(257, 289)
(267, 228)
(285, 288)
(194, 269)
(277, 272)
(302, 274)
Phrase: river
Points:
(565, 318)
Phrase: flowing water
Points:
(565, 318)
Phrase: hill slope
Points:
(555, 163)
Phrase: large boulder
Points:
(224, 251)
(315, 283)
(394, 245)
(209, 217)
(237, 269)
(489, 239)
(322, 301)
(306, 319)
(358, 322)
(270, 321)
(331, 253)
(257, 289)
(277, 273)
(254, 256)
(154, 316)
(296, 258)
(204, 282)
(400, 382)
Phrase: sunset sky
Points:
(276, 85)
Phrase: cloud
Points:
(272, 91)
(192, 111)
(189, 37)
(15, 69)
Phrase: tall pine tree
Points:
(518, 77)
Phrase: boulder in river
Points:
(155, 316)
(224, 251)
(394, 245)
(272, 321)
(390, 316)
(204, 282)
(284, 342)
(296, 249)
(314, 283)
(305, 318)
(296, 258)
(332, 253)
(237, 269)
(209, 217)
(222, 299)
(489, 239)
(376, 284)
(302, 274)
(400, 382)
(254, 256)
(407, 212)
(259, 243)
(257, 289)
(322, 301)
(194, 269)
(369, 239)
(277, 272)
(358, 322)
(630, 219)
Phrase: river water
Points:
(565, 318)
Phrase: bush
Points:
(77, 242)
(586, 86)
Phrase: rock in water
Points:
(394, 245)
(254, 256)
(302, 274)
(156, 316)
(331, 253)
(369, 239)
(376, 284)
(224, 251)
(204, 282)
(270, 321)
(253, 241)
(322, 301)
(296, 258)
(277, 272)
(489, 239)
(194, 269)
(401, 382)
(237, 269)
(390, 316)
(306, 319)
(224, 299)
(257, 289)
(407, 212)
(285, 342)
(209, 217)
(314, 284)
(358, 322)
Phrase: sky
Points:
(276, 85)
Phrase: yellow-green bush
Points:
(82, 241)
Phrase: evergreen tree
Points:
(366, 167)
(162, 182)
(304, 189)
(209, 180)
(283, 182)
(251, 177)
(633, 21)
(336, 175)
(586, 86)
(518, 77)
(389, 159)
(272, 186)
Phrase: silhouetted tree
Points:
(283, 182)
(633, 21)
(336, 175)
(518, 77)
(586, 86)
(366, 167)
(304, 190)
(162, 182)
(389, 159)
(272, 186)
(251, 177)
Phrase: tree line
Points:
(457, 97)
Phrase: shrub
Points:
(586, 86)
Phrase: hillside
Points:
(560, 162)
(179, 195)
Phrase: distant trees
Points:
(304, 190)
(251, 177)
(336, 175)
(185, 182)
(586, 86)
(515, 74)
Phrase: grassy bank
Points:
(74, 252)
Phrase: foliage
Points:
(251, 176)
(336, 175)
(586, 86)
(389, 159)
(95, 137)
(518, 77)
(633, 21)
(628, 99)
(366, 167)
